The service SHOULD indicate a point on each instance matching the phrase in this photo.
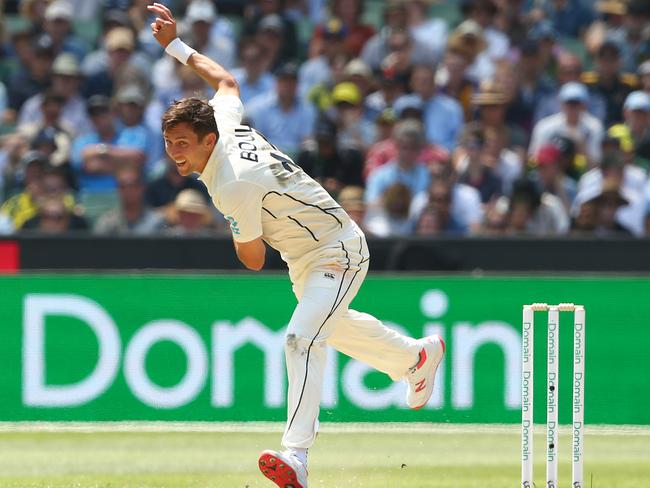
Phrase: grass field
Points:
(377, 456)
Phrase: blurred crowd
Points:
(421, 117)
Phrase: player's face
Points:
(188, 152)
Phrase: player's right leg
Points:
(323, 297)
(367, 339)
(283, 468)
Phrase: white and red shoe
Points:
(420, 377)
(283, 468)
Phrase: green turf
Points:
(441, 459)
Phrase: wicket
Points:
(552, 402)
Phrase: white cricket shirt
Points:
(263, 193)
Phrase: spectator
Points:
(54, 218)
(391, 218)
(533, 212)
(131, 216)
(484, 12)
(632, 181)
(253, 77)
(644, 75)
(12, 149)
(570, 17)
(58, 25)
(351, 200)
(192, 215)
(385, 149)
(544, 34)
(162, 191)
(358, 72)
(405, 168)
(354, 130)
(32, 78)
(569, 68)
(97, 153)
(452, 80)
(471, 166)
(624, 23)
(388, 92)
(350, 12)
(284, 117)
(318, 70)
(468, 39)
(54, 187)
(466, 211)
(533, 87)
(399, 58)
(491, 105)
(608, 81)
(574, 122)
(436, 218)
(268, 21)
(384, 124)
(120, 68)
(425, 29)
(200, 18)
(636, 127)
(22, 206)
(395, 20)
(443, 116)
(506, 163)
(139, 18)
(98, 60)
(332, 166)
(549, 175)
(598, 212)
(191, 85)
(50, 131)
(131, 101)
(66, 82)
(54, 144)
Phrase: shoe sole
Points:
(278, 471)
(435, 370)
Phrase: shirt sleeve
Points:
(228, 111)
(241, 204)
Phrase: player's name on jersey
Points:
(246, 137)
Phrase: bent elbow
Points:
(255, 265)
(229, 82)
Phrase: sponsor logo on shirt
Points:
(233, 225)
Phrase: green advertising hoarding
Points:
(199, 347)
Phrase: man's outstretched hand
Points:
(164, 27)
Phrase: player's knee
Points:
(296, 344)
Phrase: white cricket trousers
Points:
(324, 291)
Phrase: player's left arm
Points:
(241, 203)
(252, 254)
(164, 30)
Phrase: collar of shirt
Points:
(211, 166)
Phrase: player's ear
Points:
(210, 139)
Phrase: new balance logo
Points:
(329, 276)
(421, 385)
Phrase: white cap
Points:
(573, 92)
(200, 10)
(59, 9)
(190, 200)
(637, 100)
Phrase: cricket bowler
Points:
(268, 199)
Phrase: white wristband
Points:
(179, 50)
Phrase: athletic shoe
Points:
(283, 468)
(420, 377)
